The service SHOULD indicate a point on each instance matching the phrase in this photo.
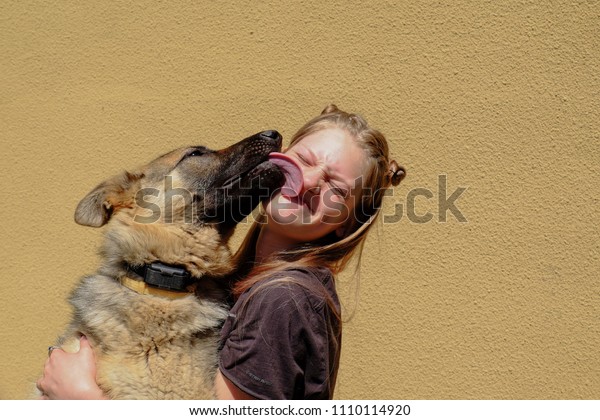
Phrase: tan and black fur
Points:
(180, 209)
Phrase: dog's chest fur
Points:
(147, 347)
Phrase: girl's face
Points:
(333, 167)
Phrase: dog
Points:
(154, 308)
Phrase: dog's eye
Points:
(196, 153)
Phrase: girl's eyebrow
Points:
(305, 150)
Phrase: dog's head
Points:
(183, 206)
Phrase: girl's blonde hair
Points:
(330, 251)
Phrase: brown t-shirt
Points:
(281, 340)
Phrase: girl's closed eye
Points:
(303, 159)
(338, 190)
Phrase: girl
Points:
(283, 335)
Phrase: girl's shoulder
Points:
(309, 285)
(310, 275)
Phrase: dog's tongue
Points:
(292, 172)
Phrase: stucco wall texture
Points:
(501, 98)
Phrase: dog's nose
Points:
(272, 134)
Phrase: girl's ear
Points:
(340, 232)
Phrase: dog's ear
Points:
(97, 207)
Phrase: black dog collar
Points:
(164, 276)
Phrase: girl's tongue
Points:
(292, 172)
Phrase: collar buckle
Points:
(165, 276)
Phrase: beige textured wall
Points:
(501, 96)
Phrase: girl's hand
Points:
(71, 376)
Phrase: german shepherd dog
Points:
(153, 310)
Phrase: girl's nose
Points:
(312, 181)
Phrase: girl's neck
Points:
(269, 243)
